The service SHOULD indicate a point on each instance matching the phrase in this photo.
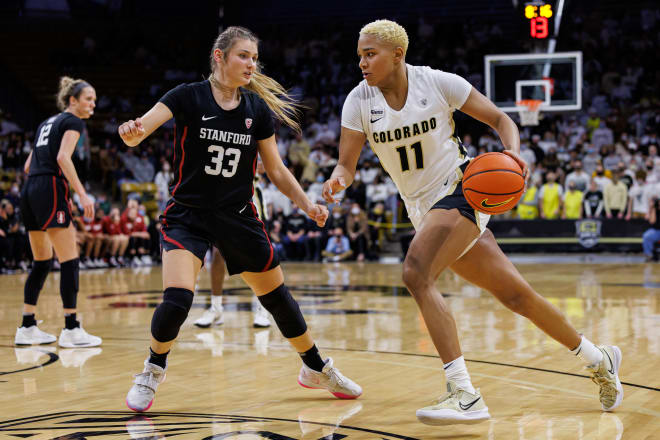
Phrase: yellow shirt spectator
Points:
(550, 198)
(528, 205)
(573, 204)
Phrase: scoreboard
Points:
(539, 15)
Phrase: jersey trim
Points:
(43, 228)
(183, 158)
(171, 240)
(270, 258)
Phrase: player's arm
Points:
(135, 131)
(350, 146)
(287, 183)
(482, 109)
(67, 147)
(26, 167)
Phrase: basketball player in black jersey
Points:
(221, 126)
(47, 216)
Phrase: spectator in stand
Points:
(469, 146)
(526, 153)
(117, 242)
(577, 176)
(368, 173)
(593, 201)
(615, 197)
(611, 157)
(133, 226)
(601, 178)
(377, 222)
(314, 189)
(591, 160)
(313, 243)
(16, 240)
(295, 227)
(652, 235)
(338, 247)
(299, 152)
(358, 228)
(602, 136)
(572, 203)
(550, 198)
(143, 171)
(96, 240)
(638, 203)
(275, 234)
(357, 192)
(377, 191)
(336, 219)
(162, 181)
(528, 207)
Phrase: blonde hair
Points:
(389, 32)
(272, 92)
(69, 87)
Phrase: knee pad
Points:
(69, 283)
(171, 313)
(285, 311)
(35, 281)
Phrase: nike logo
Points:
(376, 120)
(469, 405)
(485, 203)
(611, 369)
(204, 118)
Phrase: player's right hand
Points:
(131, 131)
(88, 206)
(331, 187)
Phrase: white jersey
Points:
(415, 145)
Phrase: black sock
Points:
(312, 359)
(28, 320)
(159, 359)
(70, 321)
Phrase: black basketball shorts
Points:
(45, 203)
(237, 232)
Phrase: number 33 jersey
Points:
(415, 145)
(215, 150)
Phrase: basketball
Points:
(493, 183)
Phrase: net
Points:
(528, 110)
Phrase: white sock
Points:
(216, 302)
(588, 352)
(456, 371)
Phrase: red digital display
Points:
(538, 27)
(538, 16)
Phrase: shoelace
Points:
(149, 379)
(446, 396)
(336, 377)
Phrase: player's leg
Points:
(442, 237)
(28, 333)
(502, 279)
(315, 373)
(73, 335)
(180, 269)
(214, 314)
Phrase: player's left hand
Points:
(523, 165)
(318, 213)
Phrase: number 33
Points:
(233, 155)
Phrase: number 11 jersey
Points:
(215, 150)
(415, 145)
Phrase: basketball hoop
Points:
(528, 110)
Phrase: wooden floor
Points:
(234, 381)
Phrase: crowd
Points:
(602, 162)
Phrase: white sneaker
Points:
(100, 263)
(211, 316)
(329, 379)
(113, 262)
(261, 317)
(32, 335)
(82, 265)
(141, 395)
(78, 338)
(457, 406)
(606, 375)
(136, 262)
(146, 260)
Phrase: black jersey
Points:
(48, 140)
(215, 150)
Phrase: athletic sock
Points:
(312, 359)
(28, 320)
(159, 359)
(588, 352)
(456, 371)
(216, 302)
(70, 321)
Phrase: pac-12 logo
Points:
(248, 123)
(60, 217)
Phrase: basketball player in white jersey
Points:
(405, 112)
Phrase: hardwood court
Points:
(237, 382)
